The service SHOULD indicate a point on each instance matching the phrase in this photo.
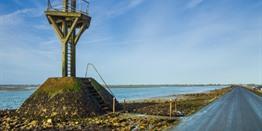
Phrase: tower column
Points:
(64, 60)
(64, 52)
(65, 5)
(73, 45)
(73, 60)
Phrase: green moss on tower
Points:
(54, 86)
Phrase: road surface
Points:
(238, 110)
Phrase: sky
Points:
(139, 42)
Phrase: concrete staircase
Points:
(95, 94)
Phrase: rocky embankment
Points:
(118, 121)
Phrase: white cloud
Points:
(123, 7)
(17, 16)
(105, 12)
(194, 3)
(43, 27)
(134, 3)
(13, 18)
(99, 40)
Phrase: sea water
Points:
(12, 99)
(151, 92)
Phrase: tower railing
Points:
(105, 84)
(82, 6)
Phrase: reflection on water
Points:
(13, 99)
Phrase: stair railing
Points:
(93, 66)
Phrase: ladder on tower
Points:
(69, 55)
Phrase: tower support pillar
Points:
(64, 51)
(73, 57)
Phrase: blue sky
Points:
(139, 42)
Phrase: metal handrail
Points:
(93, 66)
(59, 6)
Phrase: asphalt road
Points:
(238, 110)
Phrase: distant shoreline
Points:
(19, 85)
(124, 85)
(164, 85)
(24, 87)
(32, 87)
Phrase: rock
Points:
(142, 127)
(49, 121)
(135, 128)
(116, 124)
(7, 119)
(179, 113)
(44, 110)
(33, 123)
(53, 114)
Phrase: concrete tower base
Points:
(68, 97)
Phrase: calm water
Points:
(13, 99)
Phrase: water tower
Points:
(70, 19)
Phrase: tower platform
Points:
(68, 17)
(68, 97)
